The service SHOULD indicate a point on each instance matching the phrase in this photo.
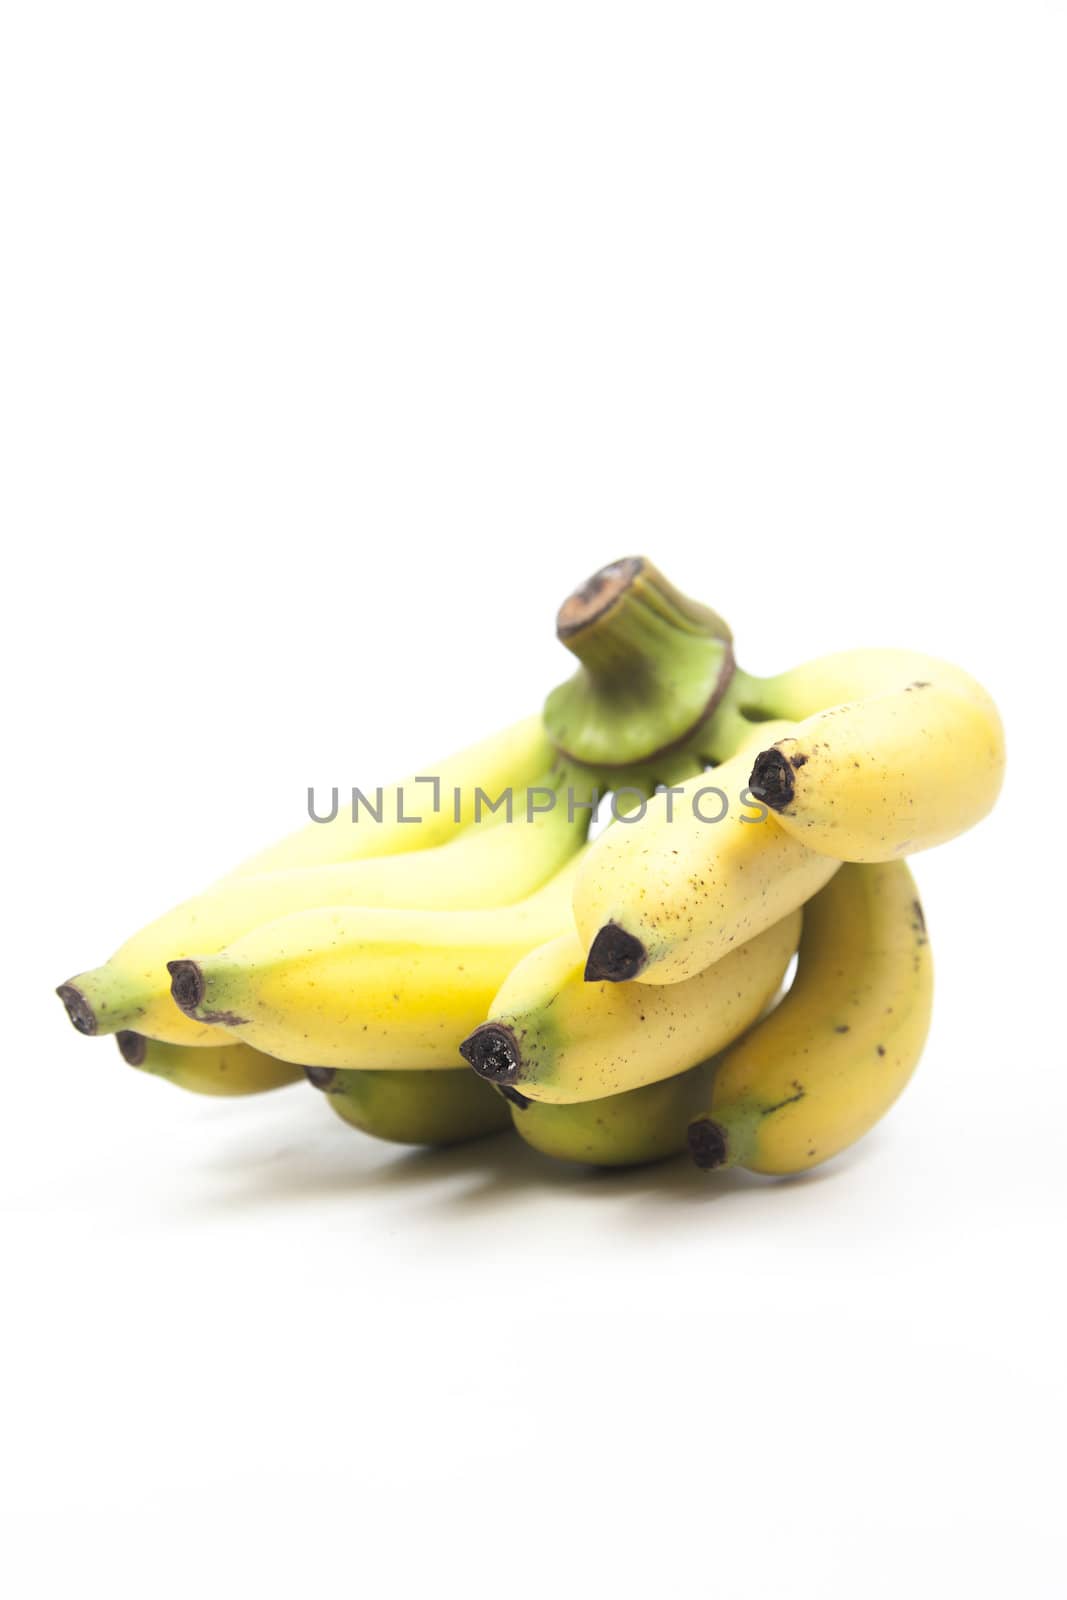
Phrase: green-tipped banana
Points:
(908, 753)
(368, 988)
(621, 1130)
(822, 1069)
(231, 1069)
(559, 1040)
(413, 1107)
(492, 862)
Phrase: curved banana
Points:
(512, 758)
(352, 987)
(621, 1130)
(492, 862)
(413, 1107)
(896, 752)
(822, 1069)
(560, 1040)
(230, 1069)
(662, 897)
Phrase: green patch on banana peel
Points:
(414, 1107)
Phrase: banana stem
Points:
(654, 666)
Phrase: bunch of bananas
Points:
(618, 1000)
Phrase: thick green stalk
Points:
(654, 666)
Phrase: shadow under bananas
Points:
(312, 1165)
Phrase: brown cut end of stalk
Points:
(707, 1144)
(596, 595)
(493, 1051)
(79, 1010)
(772, 780)
(615, 956)
(133, 1047)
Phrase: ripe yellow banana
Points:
(559, 1040)
(511, 758)
(352, 987)
(621, 1130)
(896, 752)
(413, 1107)
(229, 1069)
(663, 897)
(822, 1069)
(489, 863)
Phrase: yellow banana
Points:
(621, 1130)
(511, 758)
(662, 897)
(229, 1069)
(352, 987)
(896, 752)
(491, 862)
(822, 1069)
(559, 1040)
(413, 1107)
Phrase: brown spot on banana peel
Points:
(791, 1099)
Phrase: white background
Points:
(339, 343)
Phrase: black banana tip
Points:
(707, 1143)
(321, 1077)
(132, 1046)
(615, 956)
(79, 1010)
(771, 782)
(186, 985)
(493, 1051)
(513, 1097)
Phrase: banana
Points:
(350, 987)
(410, 820)
(413, 1107)
(621, 1130)
(230, 1069)
(822, 1069)
(560, 1040)
(896, 752)
(492, 862)
(662, 897)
